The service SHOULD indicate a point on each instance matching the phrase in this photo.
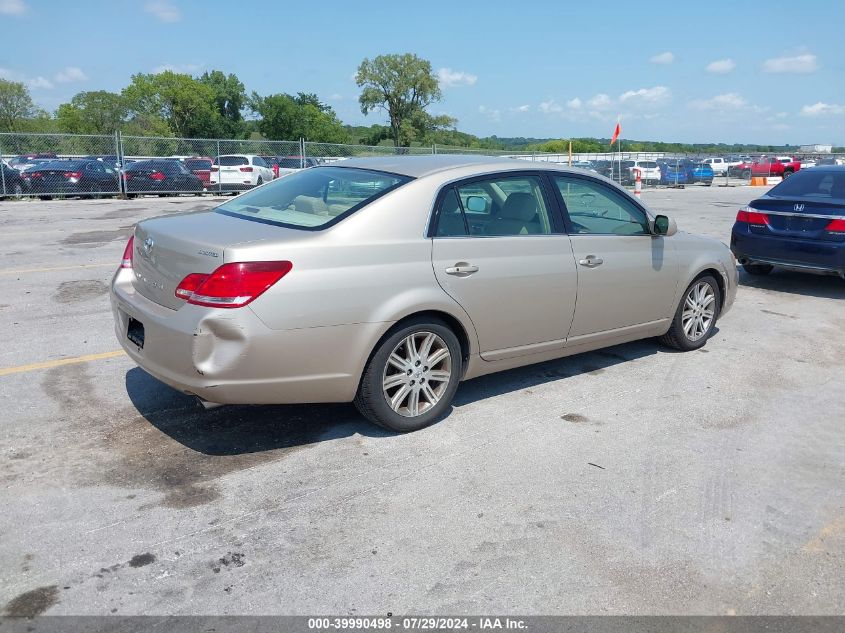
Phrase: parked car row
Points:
(46, 175)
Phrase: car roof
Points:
(419, 166)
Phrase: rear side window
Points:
(500, 206)
(312, 198)
(231, 161)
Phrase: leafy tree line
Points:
(213, 105)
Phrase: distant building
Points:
(817, 149)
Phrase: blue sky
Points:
(677, 71)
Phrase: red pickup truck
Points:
(783, 166)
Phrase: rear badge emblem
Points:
(798, 208)
(148, 246)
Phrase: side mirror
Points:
(665, 226)
(476, 204)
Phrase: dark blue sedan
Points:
(799, 224)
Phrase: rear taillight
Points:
(126, 262)
(73, 174)
(215, 169)
(246, 168)
(835, 226)
(751, 216)
(189, 284)
(127, 176)
(157, 175)
(33, 174)
(232, 285)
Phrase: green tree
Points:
(96, 112)
(288, 118)
(15, 105)
(402, 86)
(186, 104)
(230, 99)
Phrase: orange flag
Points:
(616, 133)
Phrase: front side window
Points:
(499, 206)
(594, 208)
(312, 198)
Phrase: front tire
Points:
(412, 376)
(696, 315)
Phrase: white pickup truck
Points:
(718, 164)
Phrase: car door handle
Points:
(591, 261)
(461, 268)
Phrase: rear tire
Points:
(259, 182)
(787, 173)
(695, 316)
(412, 376)
(758, 269)
(746, 174)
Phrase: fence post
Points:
(434, 148)
(120, 161)
(301, 153)
(2, 169)
(219, 174)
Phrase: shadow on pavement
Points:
(807, 284)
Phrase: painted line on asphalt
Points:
(20, 369)
(20, 271)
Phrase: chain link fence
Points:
(75, 165)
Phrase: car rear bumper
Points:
(230, 356)
(796, 253)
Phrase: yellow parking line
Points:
(47, 270)
(7, 371)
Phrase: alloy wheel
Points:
(699, 311)
(417, 373)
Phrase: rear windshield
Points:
(198, 163)
(312, 198)
(231, 161)
(813, 183)
(290, 163)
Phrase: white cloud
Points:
(574, 104)
(651, 96)
(663, 58)
(802, 64)
(336, 97)
(727, 101)
(721, 66)
(451, 78)
(70, 74)
(822, 109)
(178, 68)
(547, 107)
(490, 113)
(163, 11)
(522, 108)
(39, 82)
(13, 7)
(600, 102)
(7, 74)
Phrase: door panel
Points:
(522, 293)
(634, 284)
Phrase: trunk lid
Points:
(167, 249)
(801, 218)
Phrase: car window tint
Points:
(312, 198)
(595, 208)
(450, 221)
(257, 161)
(815, 183)
(505, 206)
